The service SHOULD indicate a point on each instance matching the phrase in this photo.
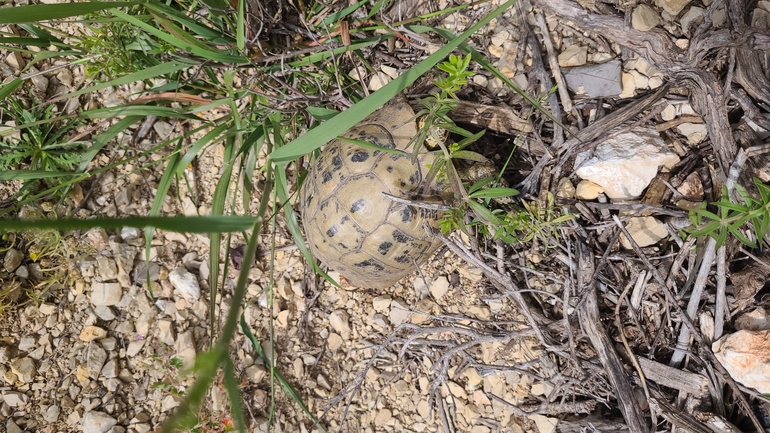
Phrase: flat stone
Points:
(746, 356)
(106, 294)
(15, 399)
(110, 369)
(595, 81)
(334, 341)
(104, 313)
(439, 287)
(11, 427)
(629, 85)
(91, 333)
(378, 81)
(565, 189)
(587, 190)
(185, 347)
(97, 422)
(134, 348)
(574, 55)
(645, 231)
(673, 7)
(107, 267)
(24, 369)
(693, 17)
(12, 260)
(166, 332)
(95, 359)
(625, 164)
(339, 321)
(51, 415)
(692, 187)
(545, 424)
(399, 312)
(381, 304)
(185, 283)
(644, 18)
(695, 132)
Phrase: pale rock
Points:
(595, 81)
(457, 390)
(673, 7)
(496, 50)
(166, 332)
(682, 44)
(11, 427)
(480, 312)
(15, 399)
(544, 424)
(108, 269)
(668, 113)
(399, 312)
(423, 409)
(12, 260)
(756, 320)
(382, 417)
(95, 359)
(51, 415)
(185, 283)
(719, 17)
(104, 313)
(574, 55)
(378, 81)
(599, 57)
(390, 71)
(47, 309)
(97, 422)
(480, 398)
(381, 304)
(256, 373)
(134, 348)
(110, 369)
(692, 187)
(693, 17)
(22, 272)
(24, 369)
(480, 80)
(625, 164)
(334, 342)
(81, 374)
(746, 356)
(91, 333)
(480, 429)
(439, 287)
(500, 37)
(644, 18)
(106, 294)
(163, 129)
(38, 80)
(565, 189)
(640, 81)
(695, 132)
(645, 231)
(655, 82)
(282, 319)
(185, 348)
(629, 85)
(169, 402)
(27, 343)
(339, 321)
(587, 190)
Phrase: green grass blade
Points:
(239, 29)
(136, 110)
(31, 174)
(152, 72)
(332, 19)
(323, 55)
(102, 139)
(321, 135)
(206, 365)
(199, 224)
(10, 87)
(217, 56)
(35, 13)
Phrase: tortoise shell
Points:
(350, 226)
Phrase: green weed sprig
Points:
(732, 216)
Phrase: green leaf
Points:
(321, 113)
(35, 13)
(10, 87)
(495, 192)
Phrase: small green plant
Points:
(41, 145)
(732, 216)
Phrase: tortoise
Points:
(349, 224)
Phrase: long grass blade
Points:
(198, 224)
(34, 13)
